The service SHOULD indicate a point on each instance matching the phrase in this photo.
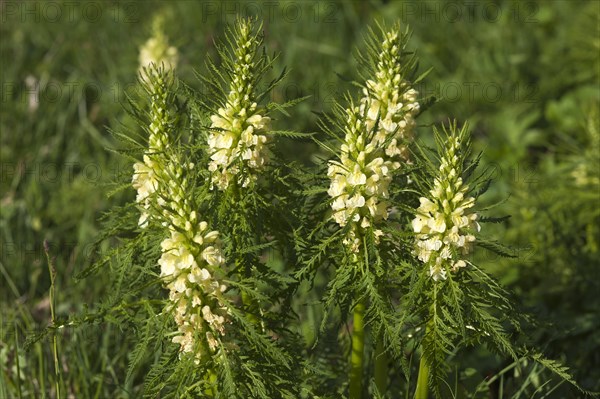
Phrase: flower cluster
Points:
(145, 177)
(190, 258)
(196, 296)
(191, 254)
(157, 51)
(443, 223)
(390, 103)
(361, 177)
(236, 138)
(376, 132)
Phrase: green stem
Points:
(358, 351)
(422, 391)
(381, 366)
(423, 378)
(422, 388)
(52, 271)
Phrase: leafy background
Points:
(525, 74)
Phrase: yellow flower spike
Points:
(236, 139)
(443, 221)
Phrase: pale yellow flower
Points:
(443, 222)
(376, 134)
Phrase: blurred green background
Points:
(526, 74)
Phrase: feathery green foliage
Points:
(109, 321)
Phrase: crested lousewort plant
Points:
(191, 253)
(397, 264)
(227, 308)
(376, 135)
(460, 304)
(443, 224)
(248, 182)
(224, 230)
(237, 140)
(157, 50)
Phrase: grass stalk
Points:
(17, 361)
(52, 271)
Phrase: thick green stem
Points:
(358, 351)
(422, 388)
(381, 366)
(423, 378)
